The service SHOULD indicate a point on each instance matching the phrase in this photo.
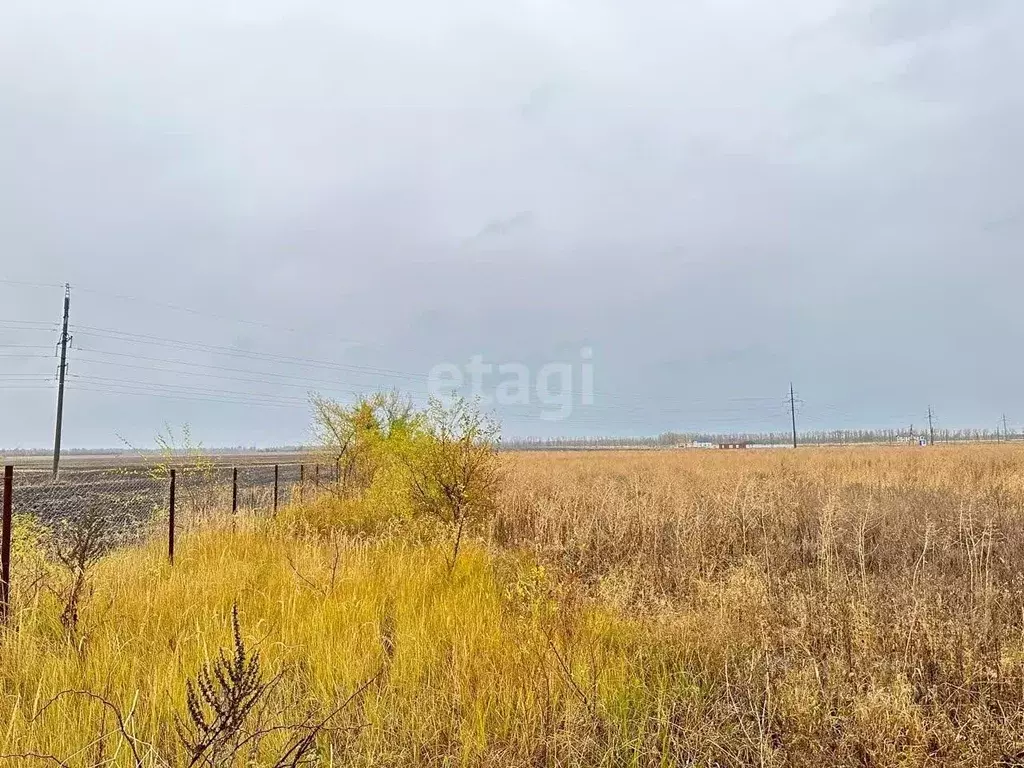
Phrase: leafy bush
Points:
(440, 462)
(366, 437)
(454, 473)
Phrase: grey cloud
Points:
(907, 20)
(750, 192)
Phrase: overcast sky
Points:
(715, 197)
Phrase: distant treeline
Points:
(664, 440)
(821, 437)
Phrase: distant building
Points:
(911, 439)
(731, 445)
(734, 445)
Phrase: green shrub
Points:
(438, 463)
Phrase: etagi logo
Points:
(551, 386)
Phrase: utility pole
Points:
(792, 410)
(931, 428)
(61, 372)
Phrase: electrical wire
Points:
(738, 409)
(28, 284)
(735, 413)
(266, 356)
(207, 366)
(124, 336)
(186, 398)
(186, 389)
(212, 315)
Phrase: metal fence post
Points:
(5, 546)
(234, 489)
(170, 522)
(316, 475)
(275, 489)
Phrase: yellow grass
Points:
(819, 607)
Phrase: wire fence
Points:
(115, 506)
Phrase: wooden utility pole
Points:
(792, 410)
(5, 545)
(61, 373)
(931, 428)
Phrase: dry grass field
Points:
(820, 607)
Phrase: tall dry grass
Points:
(832, 607)
(859, 607)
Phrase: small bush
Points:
(78, 543)
(440, 463)
(454, 473)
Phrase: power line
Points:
(213, 315)
(215, 349)
(185, 398)
(577, 417)
(197, 365)
(580, 411)
(158, 387)
(6, 325)
(127, 337)
(750, 403)
(210, 396)
(28, 284)
(743, 409)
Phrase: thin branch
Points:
(569, 676)
(121, 725)
(312, 585)
(292, 756)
